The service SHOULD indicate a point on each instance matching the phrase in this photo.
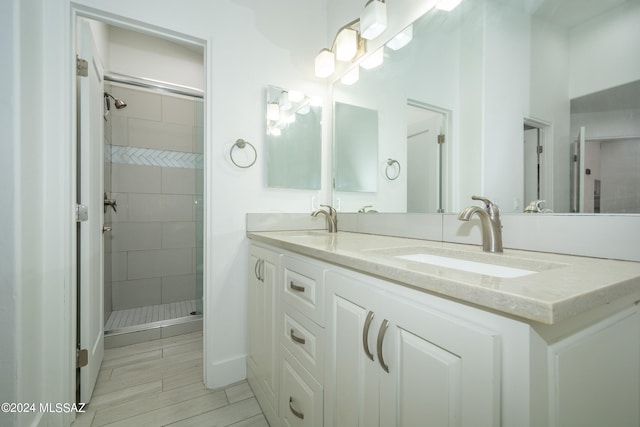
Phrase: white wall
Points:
(140, 55)
(9, 235)
(614, 36)
(249, 45)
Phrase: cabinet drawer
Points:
(303, 288)
(301, 397)
(304, 339)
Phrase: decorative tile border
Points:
(150, 157)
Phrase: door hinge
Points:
(82, 357)
(82, 67)
(82, 213)
(539, 149)
(441, 138)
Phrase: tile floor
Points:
(141, 315)
(159, 383)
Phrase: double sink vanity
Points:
(350, 329)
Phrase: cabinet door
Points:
(262, 345)
(351, 380)
(442, 371)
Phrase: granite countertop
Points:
(560, 287)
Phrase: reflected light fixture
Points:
(296, 96)
(373, 19)
(283, 101)
(351, 77)
(325, 63)
(273, 111)
(448, 5)
(401, 39)
(374, 60)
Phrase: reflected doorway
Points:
(426, 135)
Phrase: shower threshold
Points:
(124, 327)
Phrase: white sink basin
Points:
(469, 266)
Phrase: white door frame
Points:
(78, 11)
(546, 159)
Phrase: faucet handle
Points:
(491, 207)
(332, 210)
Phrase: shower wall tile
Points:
(118, 266)
(178, 234)
(178, 181)
(198, 143)
(178, 110)
(120, 131)
(156, 159)
(132, 236)
(177, 208)
(178, 288)
(160, 136)
(135, 179)
(158, 263)
(140, 104)
(145, 207)
(136, 293)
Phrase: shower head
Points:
(119, 103)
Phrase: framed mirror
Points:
(293, 140)
(539, 102)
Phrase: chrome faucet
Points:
(490, 220)
(331, 215)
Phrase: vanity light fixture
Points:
(401, 39)
(346, 44)
(374, 60)
(448, 5)
(373, 19)
(351, 77)
(325, 63)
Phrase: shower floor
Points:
(119, 319)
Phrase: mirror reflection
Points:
(294, 140)
(539, 104)
(356, 148)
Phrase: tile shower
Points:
(153, 169)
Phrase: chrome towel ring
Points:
(241, 144)
(390, 163)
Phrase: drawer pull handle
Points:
(293, 410)
(383, 330)
(297, 339)
(365, 334)
(296, 287)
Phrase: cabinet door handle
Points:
(296, 287)
(256, 268)
(365, 334)
(383, 330)
(293, 410)
(296, 338)
(261, 270)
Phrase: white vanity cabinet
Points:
(392, 361)
(329, 346)
(301, 336)
(263, 358)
